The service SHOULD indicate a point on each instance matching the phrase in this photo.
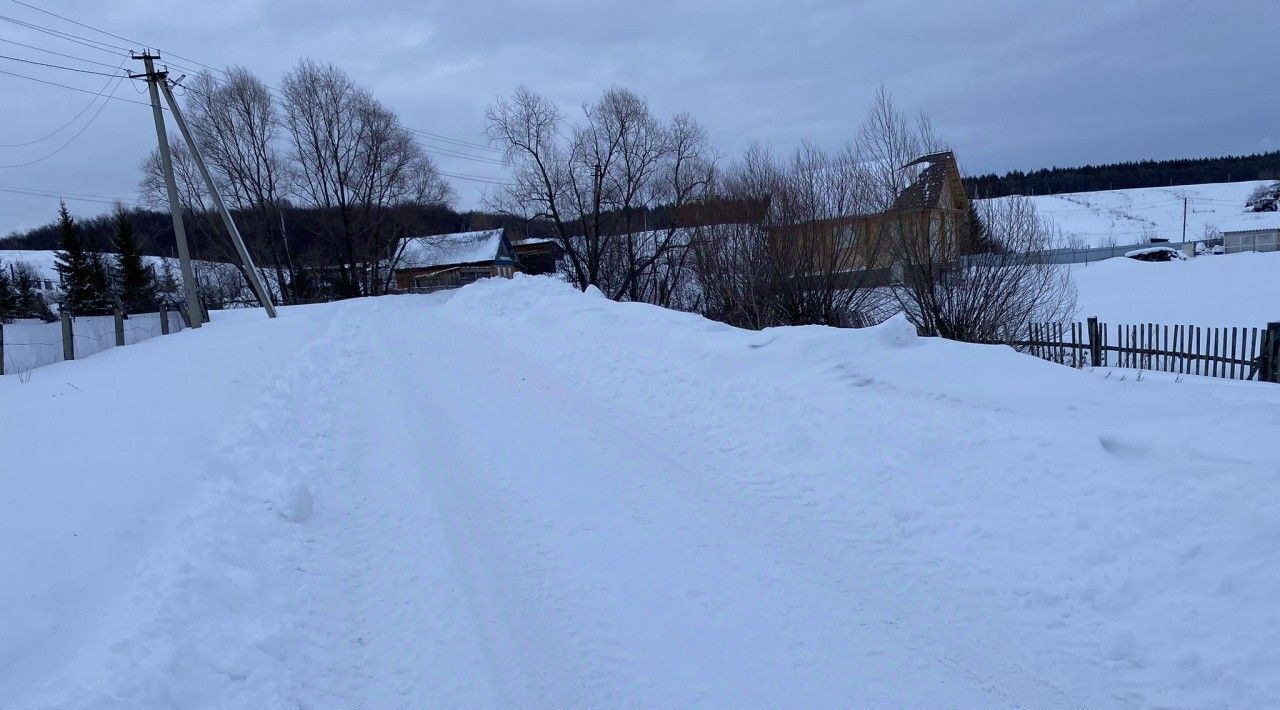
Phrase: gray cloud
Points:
(1009, 84)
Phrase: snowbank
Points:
(516, 494)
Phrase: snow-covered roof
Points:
(448, 249)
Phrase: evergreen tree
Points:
(99, 296)
(9, 306)
(168, 284)
(135, 283)
(31, 303)
(72, 263)
(977, 241)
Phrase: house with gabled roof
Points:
(934, 206)
(442, 261)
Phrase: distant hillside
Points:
(1139, 215)
(1124, 176)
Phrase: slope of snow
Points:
(519, 495)
(1135, 216)
(1231, 290)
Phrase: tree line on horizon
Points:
(1127, 175)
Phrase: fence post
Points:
(1269, 367)
(68, 345)
(164, 320)
(1095, 343)
(119, 315)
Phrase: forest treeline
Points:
(302, 229)
(1123, 176)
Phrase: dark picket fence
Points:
(1233, 353)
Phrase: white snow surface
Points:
(517, 495)
(1134, 216)
(1210, 290)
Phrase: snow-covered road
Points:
(520, 496)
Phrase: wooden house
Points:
(444, 261)
(933, 208)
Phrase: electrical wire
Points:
(74, 197)
(459, 142)
(68, 36)
(70, 121)
(56, 66)
(56, 53)
(73, 88)
(75, 135)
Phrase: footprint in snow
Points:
(1124, 446)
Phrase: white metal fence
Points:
(28, 344)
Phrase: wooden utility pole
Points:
(1184, 219)
(250, 271)
(154, 78)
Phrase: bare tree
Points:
(236, 124)
(355, 161)
(802, 247)
(887, 142)
(980, 297)
(596, 182)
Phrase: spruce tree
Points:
(9, 306)
(71, 263)
(99, 296)
(135, 283)
(31, 303)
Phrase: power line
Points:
(72, 88)
(75, 135)
(68, 19)
(55, 66)
(74, 197)
(68, 36)
(274, 90)
(70, 121)
(56, 53)
(457, 141)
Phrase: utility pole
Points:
(194, 312)
(251, 271)
(1184, 219)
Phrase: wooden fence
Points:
(1233, 353)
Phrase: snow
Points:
(515, 494)
(1209, 290)
(1136, 215)
(448, 249)
(29, 344)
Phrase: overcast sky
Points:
(1008, 84)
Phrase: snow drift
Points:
(520, 495)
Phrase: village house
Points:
(933, 211)
(443, 261)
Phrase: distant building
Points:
(933, 207)
(444, 261)
(538, 256)
(1241, 240)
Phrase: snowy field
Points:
(1212, 290)
(516, 495)
(1134, 216)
